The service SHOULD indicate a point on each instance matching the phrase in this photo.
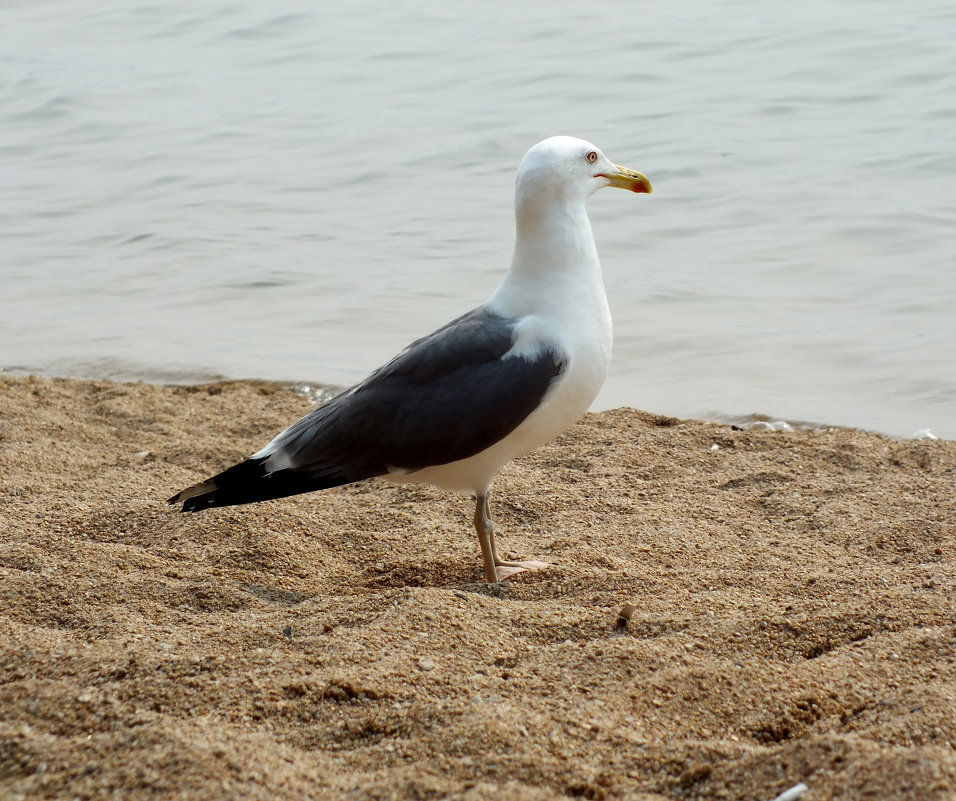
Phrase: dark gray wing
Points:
(447, 396)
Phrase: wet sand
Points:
(793, 614)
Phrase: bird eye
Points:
(591, 157)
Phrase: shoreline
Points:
(792, 592)
(318, 392)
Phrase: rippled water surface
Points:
(295, 191)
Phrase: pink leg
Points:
(496, 569)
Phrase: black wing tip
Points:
(249, 482)
(194, 504)
(241, 483)
(188, 505)
(198, 496)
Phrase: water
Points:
(189, 191)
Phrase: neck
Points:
(555, 265)
(553, 237)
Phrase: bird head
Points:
(569, 168)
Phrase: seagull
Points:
(500, 381)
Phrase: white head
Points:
(564, 169)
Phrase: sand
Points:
(793, 614)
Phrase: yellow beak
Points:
(625, 178)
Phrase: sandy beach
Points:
(793, 619)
